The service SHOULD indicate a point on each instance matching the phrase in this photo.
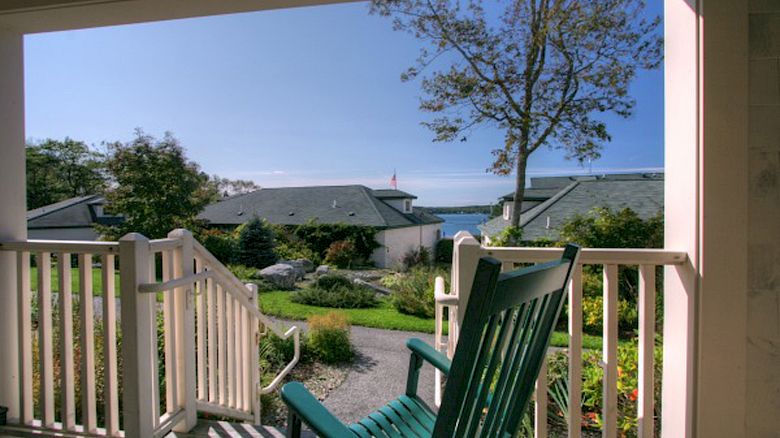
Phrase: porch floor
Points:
(207, 428)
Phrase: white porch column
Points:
(706, 215)
(13, 223)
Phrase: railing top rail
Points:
(167, 244)
(591, 256)
(69, 246)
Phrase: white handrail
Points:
(61, 246)
(294, 330)
(173, 284)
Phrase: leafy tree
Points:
(154, 186)
(58, 170)
(540, 71)
(605, 228)
(509, 236)
(256, 244)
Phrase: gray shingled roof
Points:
(352, 205)
(643, 195)
(71, 213)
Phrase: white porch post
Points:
(706, 216)
(13, 223)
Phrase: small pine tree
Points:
(256, 244)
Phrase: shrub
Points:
(319, 237)
(279, 352)
(296, 250)
(223, 245)
(509, 236)
(416, 257)
(331, 282)
(593, 316)
(329, 338)
(444, 249)
(341, 254)
(336, 291)
(341, 298)
(593, 375)
(256, 244)
(413, 291)
(242, 272)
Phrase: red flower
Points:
(634, 395)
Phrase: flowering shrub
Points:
(592, 387)
(328, 338)
(341, 254)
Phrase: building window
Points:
(407, 205)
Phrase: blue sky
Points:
(293, 97)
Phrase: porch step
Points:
(207, 428)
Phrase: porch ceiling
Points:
(34, 16)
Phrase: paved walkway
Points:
(378, 374)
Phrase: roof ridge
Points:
(548, 203)
(65, 204)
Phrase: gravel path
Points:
(378, 374)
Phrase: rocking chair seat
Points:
(406, 416)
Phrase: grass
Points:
(384, 316)
(97, 280)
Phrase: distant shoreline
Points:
(468, 209)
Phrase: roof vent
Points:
(547, 226)
(240, 213)
(292, 213)
(335, 204)
(351, 213)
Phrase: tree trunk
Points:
(522, 162)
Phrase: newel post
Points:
(254, 353)
(138, 333)
(184, 309)
(465, 255)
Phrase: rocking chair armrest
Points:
(299, 400)
(429, 354)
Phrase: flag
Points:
(394, 181)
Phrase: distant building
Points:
(551, 201)
(71, 219)
(401, 227)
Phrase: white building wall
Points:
(396, 242)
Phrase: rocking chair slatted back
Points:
(509, 320)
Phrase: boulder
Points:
(303, 266)
(307, 264)
(300, 271)
(280, 275)
(322, 270)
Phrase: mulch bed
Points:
(318, 378)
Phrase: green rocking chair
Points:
(509, 320)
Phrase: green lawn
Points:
(277, 303)
(97, 280)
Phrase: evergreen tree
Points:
(256, 244)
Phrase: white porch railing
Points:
(465, 255)
(210, 332)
